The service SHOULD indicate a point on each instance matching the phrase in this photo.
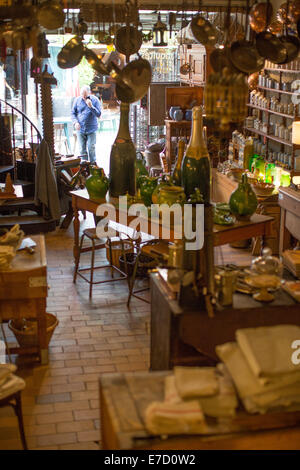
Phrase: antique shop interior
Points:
(149, 225)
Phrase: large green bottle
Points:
(122, 159)
(195, 169)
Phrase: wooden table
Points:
(23, 292)
(257, 226)
(223, 186)
(289, 201)
(189, 337)
(125, 397)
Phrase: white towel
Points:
(194, 382)
(269, 349)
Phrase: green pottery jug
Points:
(140, 168)
(243, 201)
(97, 183)
(147, 186)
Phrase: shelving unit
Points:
(269, 112)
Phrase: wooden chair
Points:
(10, 395)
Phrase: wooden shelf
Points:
(288, 116)
(276, 91)
(281, 70)
(272, 137)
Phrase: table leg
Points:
(285, 236)
(76, 225)
(42, 330)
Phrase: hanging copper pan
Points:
(294, 11)
(71, 54)
(132, 82)
(260, 15)
(51, 15)
(128, 42)
(95, 62)
(220, 58)
(203, 31)
(292, 45)
(270, 46)
(244, 55)
(276, 27)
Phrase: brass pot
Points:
(71, 54)
(203, 31)
(50, 15)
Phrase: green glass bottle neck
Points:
(123, 132)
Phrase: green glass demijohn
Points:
(243, 201)
(97, 183)
(195, 169)
(123, 159)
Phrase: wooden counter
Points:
(23, 292)
(289, 201)
(189, 337)
(125, 397)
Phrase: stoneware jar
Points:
(171, 195)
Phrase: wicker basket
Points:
(116, 251)
(145, 262)
(28, 337)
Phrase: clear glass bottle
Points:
(195, 169)
(122, 159)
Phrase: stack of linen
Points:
(192, 393)
(9, 383)
(264, 367)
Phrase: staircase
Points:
(21, 210)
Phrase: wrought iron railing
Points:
(34, 137)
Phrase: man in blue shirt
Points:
(85, 113)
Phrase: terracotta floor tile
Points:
(86, 436)
(85, 425)
(52, 439)
(57, 417)
(53, 397)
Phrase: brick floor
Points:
(60, 401)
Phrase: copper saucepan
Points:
(268, 45)
(260, 15)
(71, 54)
(244, 55)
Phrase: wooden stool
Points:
(91, 234)
(157, 249)
(10, 395)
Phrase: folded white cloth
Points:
(223, 404)
(192, 382)
(175, 418)
(268, 349)
(255, 396)
(5, 371)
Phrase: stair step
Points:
(30, 224)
